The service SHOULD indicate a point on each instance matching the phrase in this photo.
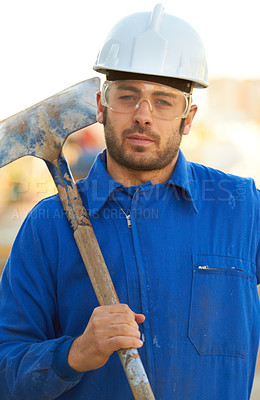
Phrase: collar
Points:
(99, 185)
(182, 177)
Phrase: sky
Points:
(49, 45)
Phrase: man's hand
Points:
(110, 328)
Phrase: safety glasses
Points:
(164, 102)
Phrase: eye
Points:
(163, 103)
(127, 97)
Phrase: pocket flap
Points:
(224, 262)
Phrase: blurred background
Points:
(49, 45)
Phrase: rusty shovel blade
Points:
(42, 129)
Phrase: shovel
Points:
(41, 131)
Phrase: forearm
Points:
(27, 370)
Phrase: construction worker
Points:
(181, 242)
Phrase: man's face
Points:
(142, 148)
(138, 140)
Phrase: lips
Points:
(140, 140)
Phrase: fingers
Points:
(116, 309)
(120, 309)
(122, 330)
(121, 314)
(124, 342)
(117, 327)
(110, 328)
(139, 318)
(102, 319)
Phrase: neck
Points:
(130, 177)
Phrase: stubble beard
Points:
(139, 160)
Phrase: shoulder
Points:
(224, 184)
(200, 171)
(49, 212)
(47, 219)
(51, 207)
(47, 208)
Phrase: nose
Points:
(143, 114)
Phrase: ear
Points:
(100, 109)
(189, 119)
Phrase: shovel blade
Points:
(42, 129)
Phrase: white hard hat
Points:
(156, 44)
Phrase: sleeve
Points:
(258, 263)
(258, 239)
(29, 322)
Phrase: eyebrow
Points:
(160, 93)
(136, 90)
(128, 87)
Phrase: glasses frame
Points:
(187, 96)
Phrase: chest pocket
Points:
(221, 305)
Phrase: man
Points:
(181, 242)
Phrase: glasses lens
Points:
(123, 96)
(127, 96)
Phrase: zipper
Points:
(206, 267)
(128, 218)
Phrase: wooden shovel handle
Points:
(95, 265)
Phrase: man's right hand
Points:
(110, 328)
